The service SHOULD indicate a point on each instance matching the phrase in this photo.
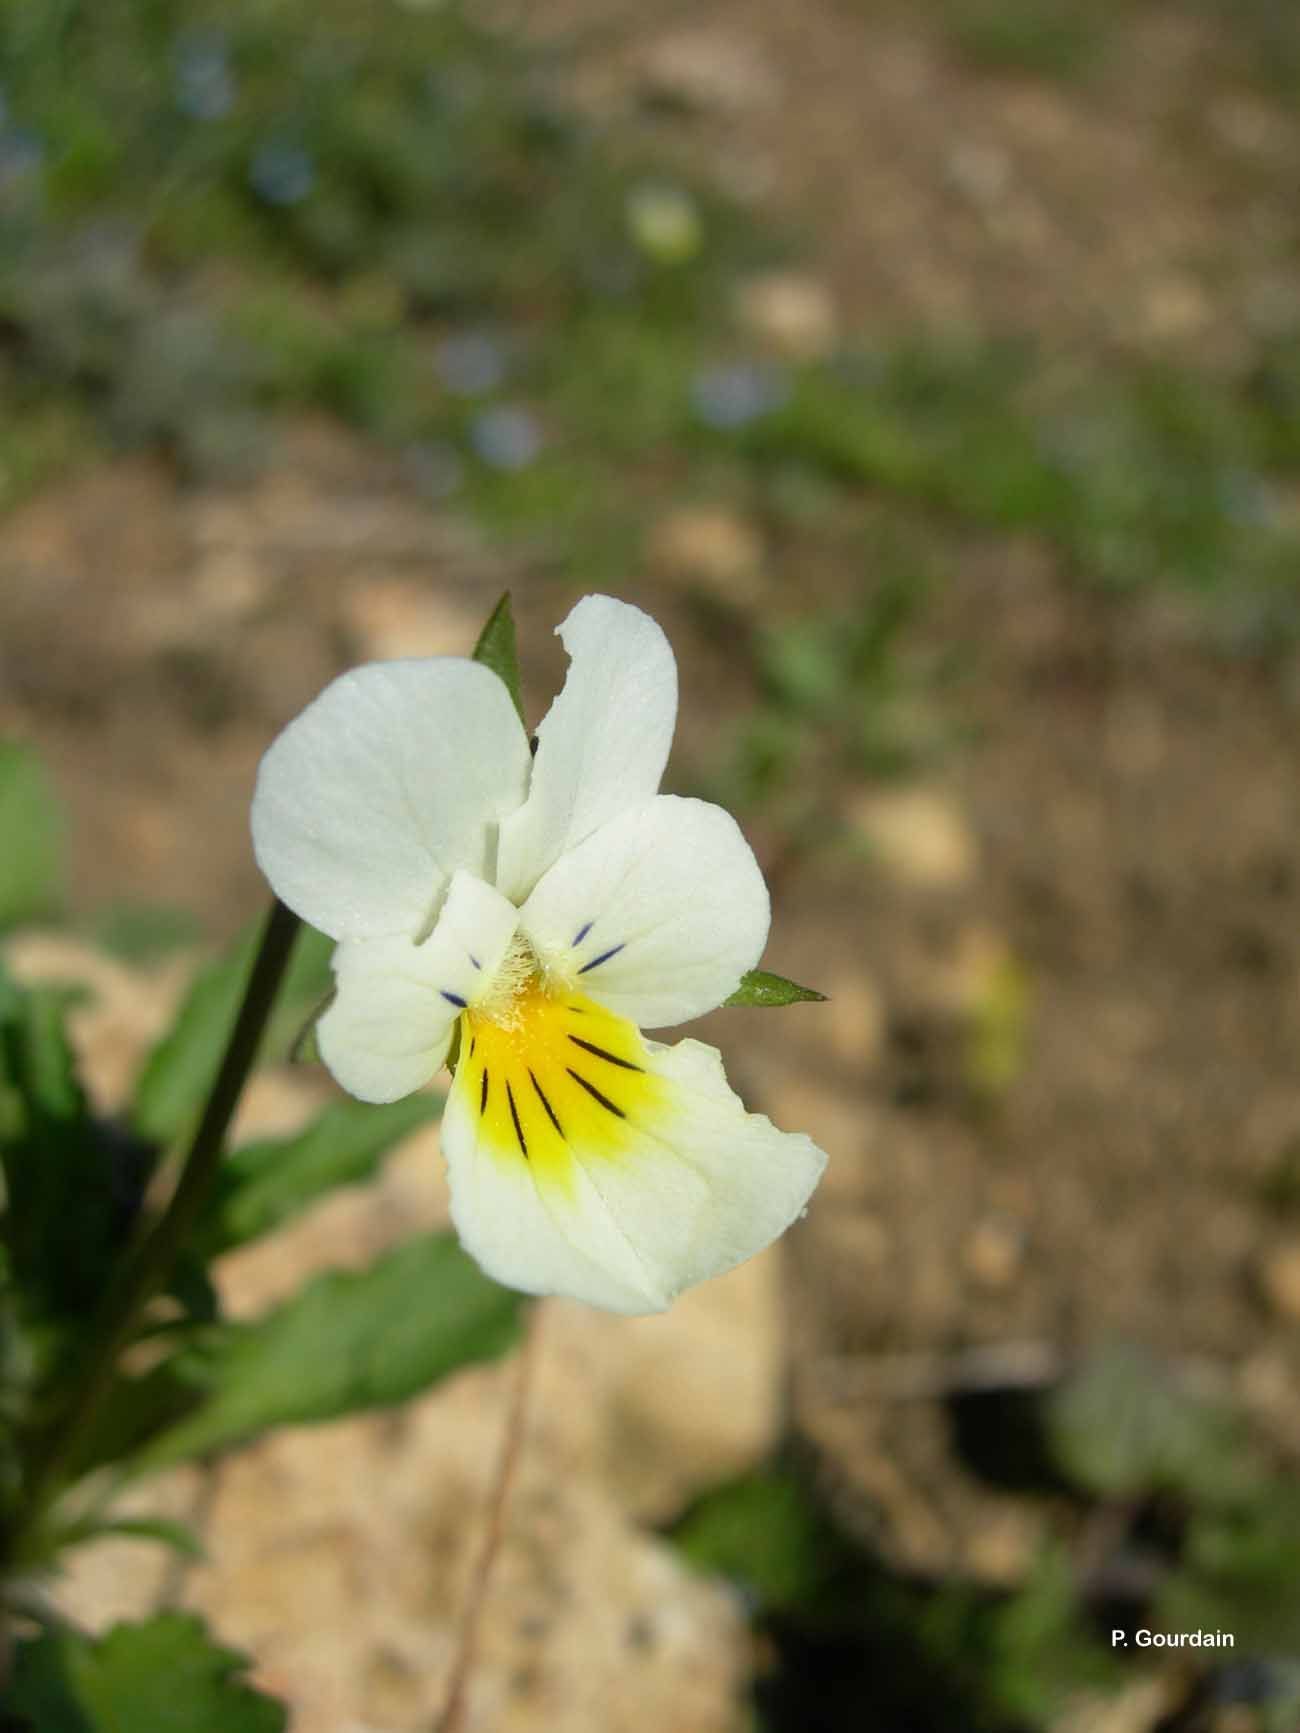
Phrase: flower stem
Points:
(452, 1719)
(149, 1263)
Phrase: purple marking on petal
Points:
(455, 999)
(602, 958)
(579, 937)
(473, 959)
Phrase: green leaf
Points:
(1122, 1427)
(163, 1676)
(264, 1183)
(761, 987)
(1238, 1572)
(348, 1341)
(32, 825)
(179, 1072)
(498, 650)
(71, 1185)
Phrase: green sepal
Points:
(761, 987)
(498, 649)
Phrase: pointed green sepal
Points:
(761, 987)
(498, 650)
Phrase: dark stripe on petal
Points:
(456, 1000)
(550, 1111)
(581, 935)
(514, 1114)
(473, 1043)
(473, 959)
(602, 958)
(482, 1094)
(595, 1093)
(591, 1047)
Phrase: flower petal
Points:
(389, 1027)
(584, 1161)
(604, 742)
(395, 776)
(657, 916)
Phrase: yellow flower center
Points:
(550, 1075)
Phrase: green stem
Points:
(148, 1265)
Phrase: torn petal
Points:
(602, 746)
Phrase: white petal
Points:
(604, 742)
(389, 1027)
(657, 916)
(584, 1161)
(395, 776)
(503, 1223)
(759, 1179)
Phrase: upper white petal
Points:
(395, 776)
(389, 1026)
(658, 915)
(603, 744)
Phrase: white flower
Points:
(552, 905)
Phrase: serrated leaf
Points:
(180, 1070)
(264, 1183)
(163, 1676)
(365, 1339)
(32, 825)
(498, 649)
(761, 987)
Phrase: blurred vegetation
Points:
(1162, 1517)
(211, 216)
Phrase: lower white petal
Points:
(396, 1003)
(587, 1162)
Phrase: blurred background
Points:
(932, 372)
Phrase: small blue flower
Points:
(506, 437)
(282, 173)
(205, 85)
(731, 397)
(471, 363)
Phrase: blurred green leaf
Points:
(264, 1183)
(498, 650)
(32, 825)
(367, 1339)
(72, 1186)
(1040, 1648)
(1239, 1571)
(179, 1072)
(764, 1532)
(761, 987)
(167, 1532)
(143, 933)
(163, 1676)
(1122, 1427)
